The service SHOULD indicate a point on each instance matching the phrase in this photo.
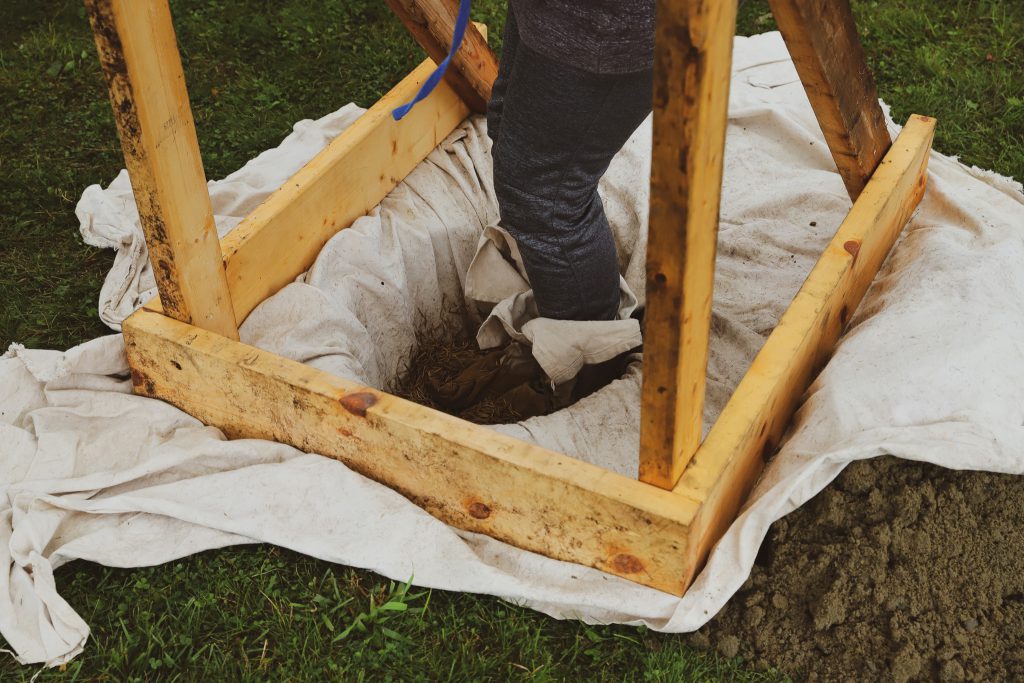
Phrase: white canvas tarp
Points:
(931, 369)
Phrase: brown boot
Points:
(529, 399)
(594, 377)
(490, 375)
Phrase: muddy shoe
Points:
(594, 377)
(529, 399)
(490, 375)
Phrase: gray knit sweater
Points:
(602, 36)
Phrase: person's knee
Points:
(533, 197)
(521, 203)
(521, 212)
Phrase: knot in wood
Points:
(358, 403)
(479, 510)
(626, 564)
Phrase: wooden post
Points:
(822, 39)
(140, 60)
(474, 67)
(692, 65)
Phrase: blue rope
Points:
(461, 21)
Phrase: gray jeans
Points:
(554, 130)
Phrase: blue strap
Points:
(461, 21)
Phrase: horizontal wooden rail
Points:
(465, 474)
(755, 418)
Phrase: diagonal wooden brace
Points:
(822, 39)
(473, 68)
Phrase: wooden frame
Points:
(657, 534)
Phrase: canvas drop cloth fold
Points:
(931, 369)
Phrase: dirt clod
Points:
(898, 571)
(951, 672)
(729, 646)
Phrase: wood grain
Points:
(465, 474)
(473, 68)
(282, 237)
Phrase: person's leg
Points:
(559, 129)
(509, 43)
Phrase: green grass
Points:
(959, 60)
(254, 68)
(261, 613)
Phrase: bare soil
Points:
(898, 571)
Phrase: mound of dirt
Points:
(897, 571)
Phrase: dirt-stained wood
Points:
(473, 68)
(467, 475)
(477, 479)
(140, 60)
(823, 41)
(693, 50)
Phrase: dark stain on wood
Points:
(141, 383)
(115, 70)
(129, 128)
(478, 510)
(624, 563)
(358, 403)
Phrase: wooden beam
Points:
(467, 475)
(140, 60)
(283, 236)
(482, 481)
(750, 427)
(473, 68)
(823, 41)
(692, 58)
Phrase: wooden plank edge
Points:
(822, 39)
(753, 422)
(467, 475)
